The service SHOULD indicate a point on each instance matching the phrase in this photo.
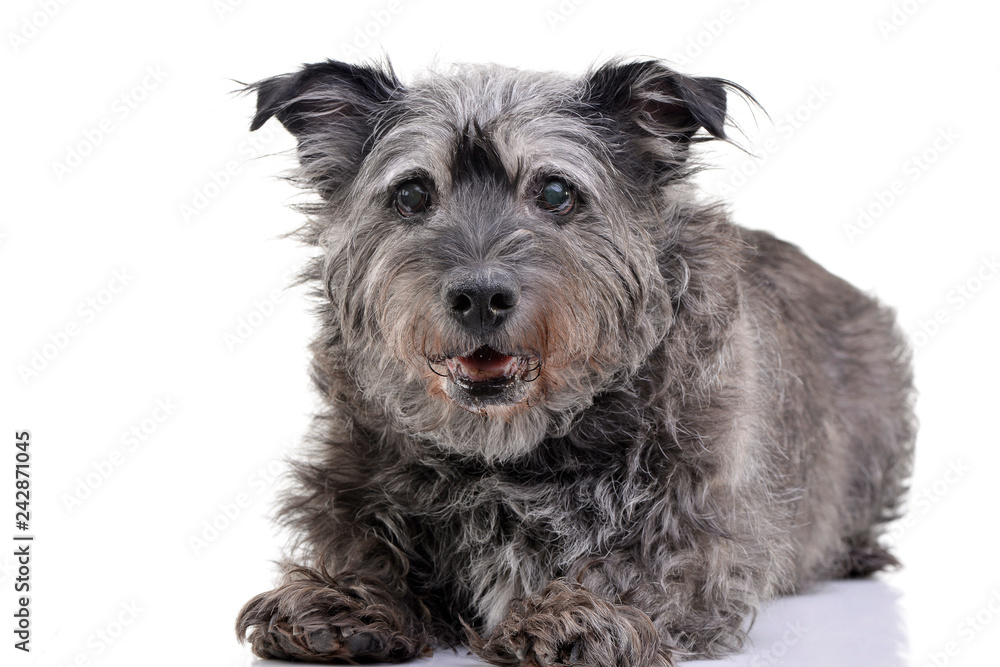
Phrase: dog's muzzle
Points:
(487, 377)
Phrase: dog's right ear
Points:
(334, 110)
(325, 94)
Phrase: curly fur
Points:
(716, 419)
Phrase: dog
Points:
(573, 414)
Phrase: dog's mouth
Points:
(487, 376)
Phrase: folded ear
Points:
(333, 109)
(660, 100)
(327, 92)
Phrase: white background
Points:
(140, 93)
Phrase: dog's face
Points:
(491, 237)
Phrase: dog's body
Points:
(575, 416)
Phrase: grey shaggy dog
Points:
(574, 416)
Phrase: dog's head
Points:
(491, 237)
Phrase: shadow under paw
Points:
(317, 619)
(567, 625)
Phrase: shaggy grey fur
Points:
(694, 417)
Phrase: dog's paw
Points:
(567, 625)
(319, 621)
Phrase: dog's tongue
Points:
(486, 364)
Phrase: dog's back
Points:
(842, 393)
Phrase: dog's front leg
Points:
(320, 617)
(567, 624)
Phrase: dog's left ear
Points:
(660, 100)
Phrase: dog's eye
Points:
(557, 196)
(412, 197)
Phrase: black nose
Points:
(482, 303)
